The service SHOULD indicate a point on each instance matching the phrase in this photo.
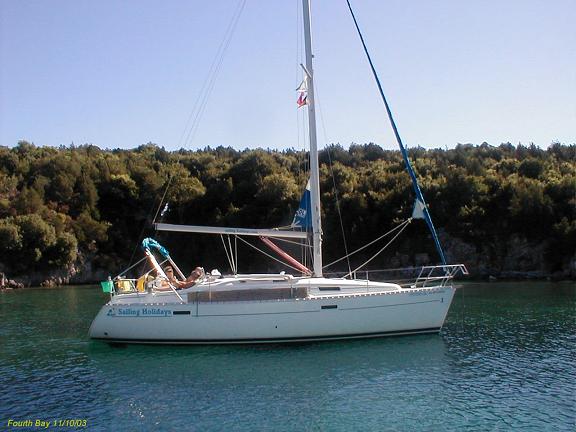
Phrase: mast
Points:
(314, 169)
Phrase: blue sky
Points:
(124, 73)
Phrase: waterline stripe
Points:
(271, 340)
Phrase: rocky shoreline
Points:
(80, 273)
(6, 283)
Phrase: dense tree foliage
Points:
(61, 206)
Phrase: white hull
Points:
(316, 317)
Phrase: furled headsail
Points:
(420, 209)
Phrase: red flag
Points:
(302, 92)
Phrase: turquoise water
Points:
(504, 361)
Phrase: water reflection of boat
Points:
(249, 308)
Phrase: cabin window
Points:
(329, 288)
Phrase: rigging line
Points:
(407, 221)
(415, 184)
(236, 251)
(204, 87)
(268, 255)
(232, 253)
(206, 90)
(381, 250)
(232, 257)
(146, 223)
(170, 176)
(131, 267)
(463, 309)
(317, 101)
(215, 70)
(398, 269)
(226, 250)
(279, 239)
(338, 206)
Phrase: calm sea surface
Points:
(504, 361)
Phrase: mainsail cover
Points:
(303, 217)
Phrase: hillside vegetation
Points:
(79, 209)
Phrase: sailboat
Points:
(211, 308)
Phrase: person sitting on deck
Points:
(187, 283)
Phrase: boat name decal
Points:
(144, 312)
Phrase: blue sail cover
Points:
(303, 217)
(148, 243)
